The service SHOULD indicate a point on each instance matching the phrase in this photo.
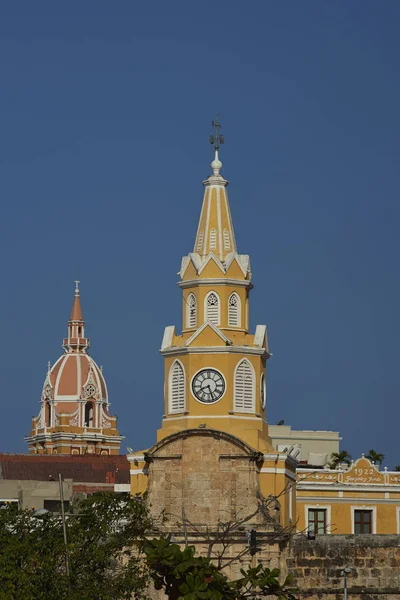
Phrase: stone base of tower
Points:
(213, 476)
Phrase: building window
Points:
(244, 393)
(89, 414)
(48, 414)
(234, 310)
(191, 311)
(317, 521)
(176, 388)
(200, 240)
(363, 521)
(213, 239)
(212, 308)
(227, 243)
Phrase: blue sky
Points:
(106, 110)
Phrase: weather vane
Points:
(218, 138)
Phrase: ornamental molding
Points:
(216, 281)
(243, 350)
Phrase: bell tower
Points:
(215, 370)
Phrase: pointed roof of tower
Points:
(215, 231)
(76, 313)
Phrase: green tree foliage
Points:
(338, 458)
(184, 576)
(397, 468)
(375, 457)
(105, 540)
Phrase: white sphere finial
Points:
(216, 164)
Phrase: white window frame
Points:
(227, 240)
(354, 507)
(239, 310)
(188, 324)
(245, 410)
(175, 411)
(200, 240)
(213, 239)
(326, 507)
(398, 518)
(206, 306)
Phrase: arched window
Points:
(191, 307)
(234, 310)
(48, 414)
(200, 240)
(213, 239)
(176, 388)
(244, 393)
(89, 414)
(227, 242)
(211, 309)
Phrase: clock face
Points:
(263, 392)
(47, 391)
(208, 386)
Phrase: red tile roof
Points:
(87, 468)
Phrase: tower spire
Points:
(76, 313)
(76, 341)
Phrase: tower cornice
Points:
(216, 281)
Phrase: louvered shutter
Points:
(213, 239)
(177, 389)
(200, 240)
(244, 387)
(227, 243)
(192, 311)
(234, 311)
(212, 308)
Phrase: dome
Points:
(74, 377)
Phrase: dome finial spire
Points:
(216, 140)
(77, 282)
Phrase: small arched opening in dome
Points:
(89, 414)
(48, 414)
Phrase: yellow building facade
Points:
(358, 500)
(215, 369)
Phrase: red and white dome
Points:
(74, 377)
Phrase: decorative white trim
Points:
(217, 281)
(263, 391)
(398, 519)
(144, 471)
(221, 252)
(202, 417)
(79, 374)
(361, 507)
(228, 212)
(326, 507)
(245, 361)
(238, 310)
(347, 499)
(188, 301)
(202, 328)
(244, 350)
(207, 259)
(260, 335)
(135, 457)
(180, 408)
(169, 333)
(218, 306)
(209, 199)
(279, 471)
(122, 487)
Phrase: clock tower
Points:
(213, 451)
(215, 370)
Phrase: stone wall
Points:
(317, 565)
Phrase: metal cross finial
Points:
(218, 138)
(77, 282)
(48, 366)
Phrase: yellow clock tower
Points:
(215, 371)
